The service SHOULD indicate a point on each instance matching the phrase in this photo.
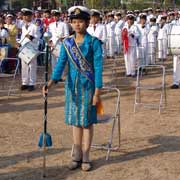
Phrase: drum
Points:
(174, 40)
(28, 52)
(56, 49)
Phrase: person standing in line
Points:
(59, 31)
(152, 39)
(97, 29)
(163, 39)
(83, 55)
(110, 26)
(29, 34)
(142, 49)
(130, 34)
(118, 30)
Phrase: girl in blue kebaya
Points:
(83, 55)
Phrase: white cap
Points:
(81, 8)
(9, 15)
(95, 12)
(26, 10)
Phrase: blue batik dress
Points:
(79, 90)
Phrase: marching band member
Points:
(130, 34)
(97, 29)
(152, 39)
(83, 55)
(47, 19)
(176, 72)
(142, 49)
(163, 38)
(19, 24)
(4, 35)
(12, 30)
(118, 30)
(59, 31)
(110, 36)
(29, 33)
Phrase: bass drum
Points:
(174, 40)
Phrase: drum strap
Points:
(77, 58)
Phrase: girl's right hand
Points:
(44, 91)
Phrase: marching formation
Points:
(139, 35)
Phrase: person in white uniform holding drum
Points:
(59, 31)
(29, 34)
(174, 39)
(98, 29)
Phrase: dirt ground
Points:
(150, 142)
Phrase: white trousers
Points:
(152, 52)
(142, 54)
(110, 46)
(130, 61)
(162, 48)
(29, 72)
(118, 43)
(176, 69)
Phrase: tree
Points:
(2, 3)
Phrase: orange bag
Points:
(99, 108)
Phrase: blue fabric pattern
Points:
(79, 90)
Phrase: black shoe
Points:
(31, 88)
(24, 87)
(134, 76)
(128, 75)
(174, 86)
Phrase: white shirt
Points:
(111, 28)
(133, 30)
(118, 27)
(32, 30)
(4, 33)
(153, 32)
(99, 32)
(58, 30)
(163, 32)
(143, 38)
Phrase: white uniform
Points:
(142, 52)
(130, 57)
(163, 42)
(176, 69)
(111, 38)
(29, 71)
(118, 30)
(58, 30)
(152, 39)
(99, 30)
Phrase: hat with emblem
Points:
(95, 12)
(79, 12)
(130, 16)
(26, 11)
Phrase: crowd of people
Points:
(136, 34)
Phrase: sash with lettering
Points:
(77, 58)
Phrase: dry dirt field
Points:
(150, 142)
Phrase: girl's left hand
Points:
(96, 99)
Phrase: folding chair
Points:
(110, 116)
(113, 118)
(7, 86)
(142, 84)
